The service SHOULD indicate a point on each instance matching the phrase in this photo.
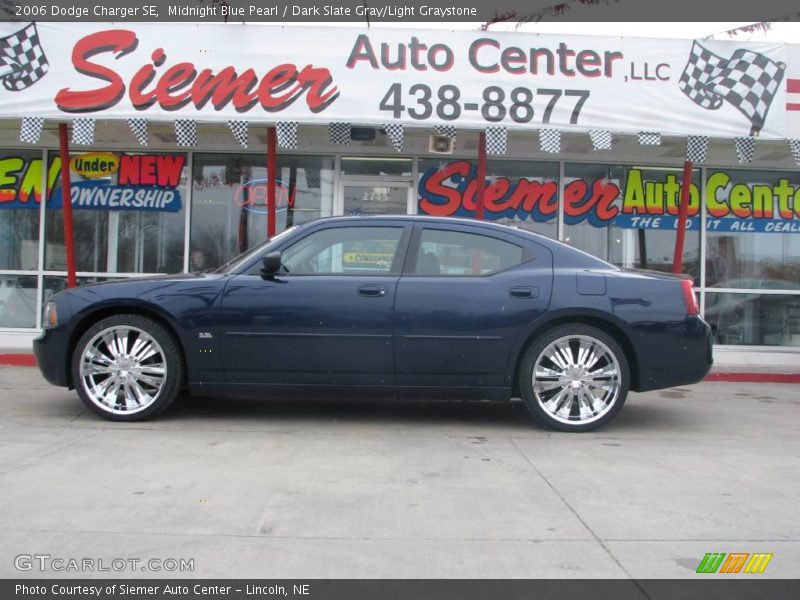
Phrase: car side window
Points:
(443, 252)
(344, 251)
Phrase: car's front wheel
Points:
(127, 368)
(574, 378)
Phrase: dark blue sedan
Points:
(384, 306)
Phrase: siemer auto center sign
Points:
(468, 78)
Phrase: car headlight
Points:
(50, 315)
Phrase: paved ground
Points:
(353, 489)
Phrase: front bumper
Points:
(52, 356)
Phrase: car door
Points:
(465, 295)
(327, 318)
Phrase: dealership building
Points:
(582, 139)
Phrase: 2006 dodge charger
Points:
(387, 306)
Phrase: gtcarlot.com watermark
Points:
(60, 564)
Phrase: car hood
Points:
(155, 279)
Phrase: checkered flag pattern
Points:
(747, 80)
(313, 178)
(339, 133)
(601, 140)
(745, 148)
(139, 129)
(22, 60)
(83, 132)
(446, 131)
(287, 134)
(239, 129)
(696, 148)
(186, 132)
(794, 146)
(31, 129)
(649, 138)
(496, 140)
(395, 132)
(550, 140)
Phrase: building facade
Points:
(165, 209)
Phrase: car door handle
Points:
(523, 292)
(372, 291)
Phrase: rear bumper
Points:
(51, 353)
(684, 357)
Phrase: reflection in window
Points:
(229, 212)
(129, 219)
(18, 300)
(344, 250)
(456, 253)
(519, 193)
(627, 215)
(20, 194)
(754, 319)
(752, 229)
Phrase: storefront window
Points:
(753, 226)
(128, 213)
(229, 211)
(753, 318)
(54, 284)
(18, 300)
(20, 196)
(520, 193)
(628, 215)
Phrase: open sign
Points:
(253, 195)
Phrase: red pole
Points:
(272, 146)
(677, 260)
(481, 176)
(66, 201)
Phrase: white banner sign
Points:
(472, 80)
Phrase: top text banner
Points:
(469, 79)
(337, 11)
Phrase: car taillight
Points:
(689, 299)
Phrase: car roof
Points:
(430, 218)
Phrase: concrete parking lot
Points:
(359, 489)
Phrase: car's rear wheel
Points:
(127, 368)
(574, 378)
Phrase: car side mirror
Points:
(271, 264)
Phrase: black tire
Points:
(172, 359)
(537, 399)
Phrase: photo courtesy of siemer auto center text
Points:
(399, 299)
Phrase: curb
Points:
(18, 360)
(753, 377)
(28, 360)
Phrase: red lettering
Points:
(129, 169)
(147, 170)
(181, 84)
(169, 169)
(223, 87)
(605, 193)
(175, 79)
(119, 42)
(545, 195)
(163, 170)
(436, 188)
(574, 192)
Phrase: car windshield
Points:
(249, 254)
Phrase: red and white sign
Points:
(215, 72)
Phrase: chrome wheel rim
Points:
(576, 379)
(123, 370)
